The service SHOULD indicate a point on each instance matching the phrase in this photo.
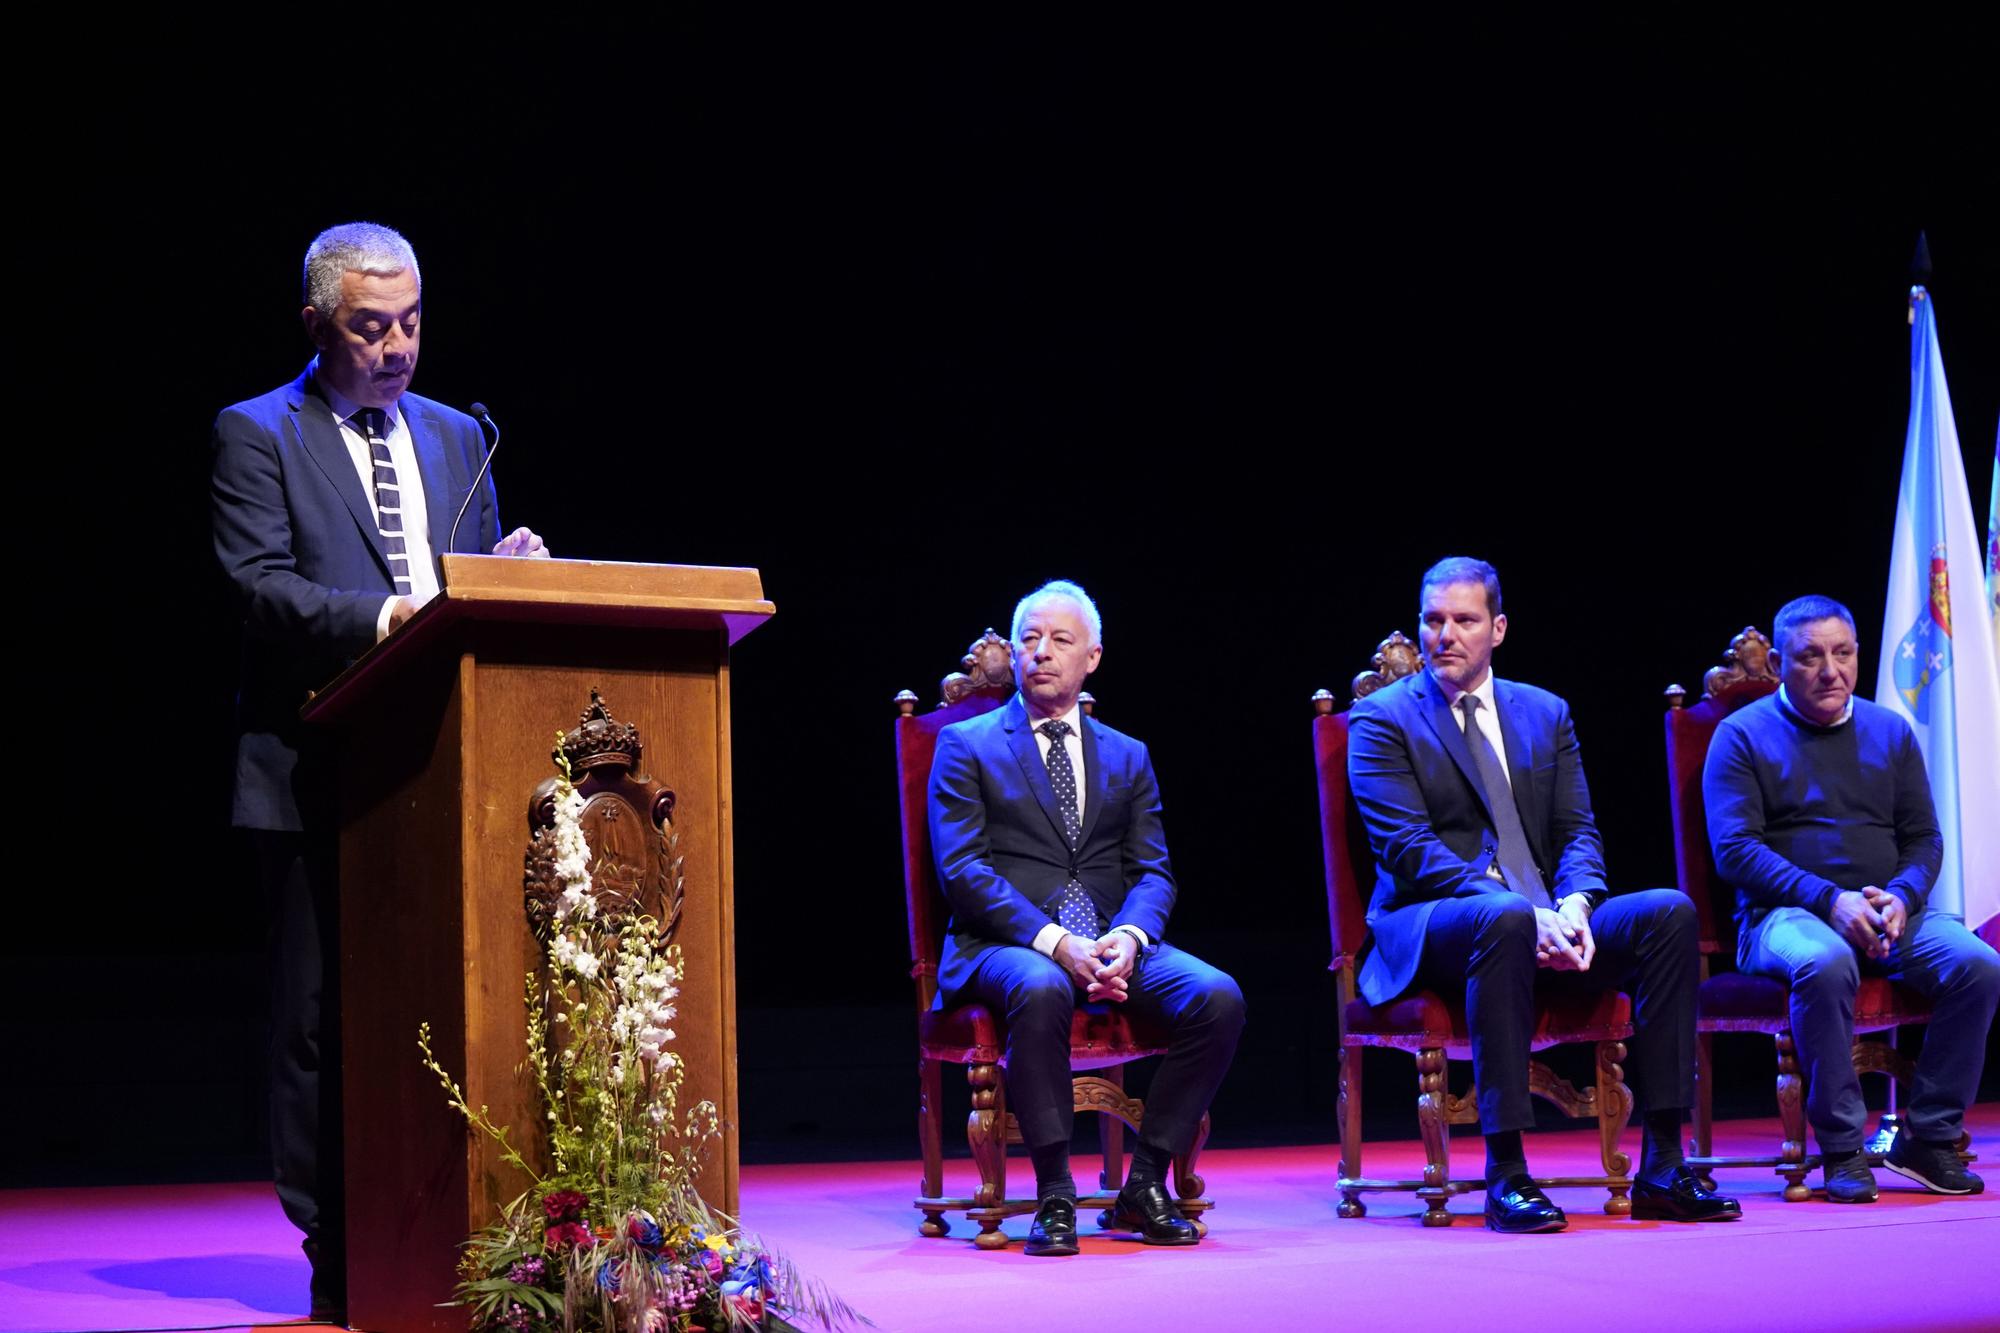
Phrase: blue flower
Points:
(609, 1277)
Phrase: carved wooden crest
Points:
(1748, 658)
(1395, 658)
(628, 820)
(988, 667)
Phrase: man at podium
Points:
(332, 498)
(1046, 828)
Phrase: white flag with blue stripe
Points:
(1938, 658)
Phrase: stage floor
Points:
(1277, 1257)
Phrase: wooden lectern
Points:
(444, 730)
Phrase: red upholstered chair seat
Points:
(973, 1034)
(1427, 1019)
(1740, 1002)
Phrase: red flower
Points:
(564, 1206)
(564, 1234)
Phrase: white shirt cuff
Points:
(1047, 938)
(382, 619)
(1144, 942)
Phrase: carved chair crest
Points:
(1748, 658)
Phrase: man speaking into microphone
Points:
(333, 498)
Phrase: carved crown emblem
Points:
(600, 740)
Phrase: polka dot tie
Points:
(1073, 909)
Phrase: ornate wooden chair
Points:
(1431, 1026)
(1733, 1001)
(1102, 1037)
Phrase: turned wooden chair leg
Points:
(1111, 1137)
(986, 1132)
(1614, 1113)
(1350, 1130)
(1436, 1129)
(930, 1138)
(1188, 1183)
(1792, 1118)
(1703, 1143)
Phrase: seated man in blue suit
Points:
(1490, 881)
(1046, 828)
(1820, 816)
(332, 498)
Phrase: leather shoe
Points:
(1683, 1198)
(1516, 1206)
(1148, 1210)
(329, 1285)
(1054, 1229)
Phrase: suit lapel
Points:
(1094, 782)
(1021, 740)
(428, 442)
(1442, 722)
(1520, 760)
(321, 437)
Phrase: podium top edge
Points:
(484, 576)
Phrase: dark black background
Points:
(1239, 325)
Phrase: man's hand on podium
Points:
(521, 541)
(404, 608)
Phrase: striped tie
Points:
(374, 424)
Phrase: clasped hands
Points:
(1102, 968)
(1871, 919)
(1563, 940)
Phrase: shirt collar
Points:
(1074, 717)
(1845, 713)
(343, 407)
(1484, 693)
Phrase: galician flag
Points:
(1938, 634)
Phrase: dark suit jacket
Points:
(294, 533)
(1429, 822)
(998, 840)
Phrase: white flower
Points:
(585, 963)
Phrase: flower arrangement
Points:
(615, 1238)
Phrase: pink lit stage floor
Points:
(1277, 1257)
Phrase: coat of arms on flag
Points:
(1925, 650)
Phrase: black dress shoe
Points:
(1148, 1210)
(1516, 1205)
(1682, 1199)
(1054, 1231)
(329, 1285)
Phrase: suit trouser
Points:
(1199, 1007)
(1648, 945)
(1937, 957)
(300, 878)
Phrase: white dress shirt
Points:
(1488, 715)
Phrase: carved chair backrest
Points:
(1350, 861)
(1744, 676)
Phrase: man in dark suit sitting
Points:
(1490, 880)
(333, 496)
(1046, 828)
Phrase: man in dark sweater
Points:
(1820, 816)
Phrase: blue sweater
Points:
(1798, 812)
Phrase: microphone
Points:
(479, 411)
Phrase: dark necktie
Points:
(1073, 909)
(374, 424)
(1516, 862)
